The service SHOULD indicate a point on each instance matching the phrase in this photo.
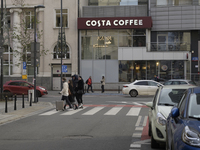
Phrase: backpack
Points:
(86, 81)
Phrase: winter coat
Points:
(89, 81)
(102, 81)
(64, 91)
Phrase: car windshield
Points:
(192, 82)
(194, 106)
(170, 96)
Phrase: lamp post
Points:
(38, 6)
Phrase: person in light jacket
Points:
(65, 94)
(102, 84)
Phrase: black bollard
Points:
(36, 97)
(6, 104)
(31, 99)
(118, 89)
(23, 100)
(15, 105)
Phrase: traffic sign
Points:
(24, 65)
(64, 68)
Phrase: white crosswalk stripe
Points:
(93, 111)
(49, 113)
(113, 111)
(73, 112)
(134, 111)
(109, 111)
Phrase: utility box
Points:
(29, 95)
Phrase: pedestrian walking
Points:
(102, 84)
(89, 83)
(65, 94)
(79, 91)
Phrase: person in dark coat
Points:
(79, 91)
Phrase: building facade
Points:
(49, 71)
(122, 53)
(123, 40)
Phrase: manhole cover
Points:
(78, 137)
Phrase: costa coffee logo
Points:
(115, 23)
(99, 23)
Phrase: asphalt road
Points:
(109, 122)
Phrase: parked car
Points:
(183, 123)
(20, 87)
(179, 81)
(141, 87)
(165, 98)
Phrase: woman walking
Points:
(102, 84)
(65, 94)
(79, 91)
(72, 94)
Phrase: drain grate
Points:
(78, 137)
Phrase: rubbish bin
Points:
(29, 95)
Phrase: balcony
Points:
(155, 46)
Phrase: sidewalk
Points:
(20, 112)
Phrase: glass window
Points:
(141, 83)
(65, 52)
(182, 105)
(29, 19)
(171, 41)
(64, 17)
(14, 83)
(171, 96)
(152, 83)
(194, 105)
(115, 2)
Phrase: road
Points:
(106, 122)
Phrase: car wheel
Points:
(154, 144)
(7, 93)
(38, 93)
(149, 133)
(133, 93)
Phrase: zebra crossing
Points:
(108, 110)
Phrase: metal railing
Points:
(159, 46)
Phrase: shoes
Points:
(80, 105)
(70, 109)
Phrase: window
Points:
(152, 83)
(65, 52)
(64, 17)
(14, 83)
(142, 83)
(116, 2)
(29, 16)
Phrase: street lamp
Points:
(35, 7)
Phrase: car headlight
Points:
(191, 137)
(42, 88)
(161, 119)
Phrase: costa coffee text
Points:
(99, 23)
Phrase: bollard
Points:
(36, 97)
(118, 89)
(15, 105)
(23, 100)
(85, 89)
(6, 104)
(31, 99)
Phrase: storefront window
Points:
(103, 44)
(137, 70)
(171, 41)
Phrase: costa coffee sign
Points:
(115, 23)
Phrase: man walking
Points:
(89, 83)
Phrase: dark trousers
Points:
(79, 98)
(102, 88)
(67, 102)
(89, 86)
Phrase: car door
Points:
(13, 87)
(152, 87)
(176, 124)
(142, 87)
(24, 87)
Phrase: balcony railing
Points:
(155, 46)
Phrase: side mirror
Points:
(175, 112)
(150, 105)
